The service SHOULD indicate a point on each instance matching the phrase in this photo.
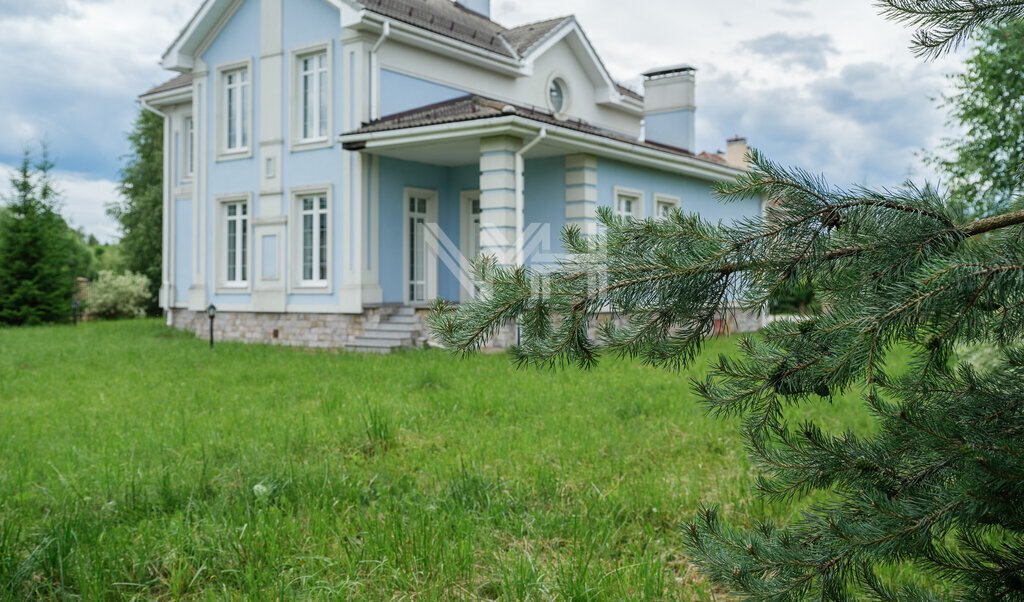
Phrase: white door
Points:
(420, 246)
(470, 241)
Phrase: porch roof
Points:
(475, 116)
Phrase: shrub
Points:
(118, 296)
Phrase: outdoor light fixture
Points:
(212, 312)
(75, 307)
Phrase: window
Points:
(237, 243)
(629, 203)
(313, 91)
(664, 205)
(314, 239)
(556, 95)
(236, 110)
(190, 148)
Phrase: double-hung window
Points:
(314, 96)
(236, 222)
(629, 203)
(314, 239)
(236, 110)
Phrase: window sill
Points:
(307, 145)
(234, 155)
(312, 288)
(233, 289)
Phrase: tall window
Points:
(314, 239)
(190, 148)
(313, 70)
(628, 204)
(236, 95)
(237, 222)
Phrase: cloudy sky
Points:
(825, 85)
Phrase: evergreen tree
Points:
(140, 214)
(981, 166)
(38, 255)
(939, 485)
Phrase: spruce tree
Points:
(140, 214)
(38, 254)
(938, 486)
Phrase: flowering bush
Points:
(114, 296)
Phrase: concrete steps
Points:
(399, 330)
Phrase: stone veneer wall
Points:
(336, 331)
(323, 331)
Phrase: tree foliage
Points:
(939, 485)
(140, 214)
(982, 165)
(40, 256)
(114, 296)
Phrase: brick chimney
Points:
(736, 152)
(670, 105)
(478, 6)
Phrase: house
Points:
(332, 166)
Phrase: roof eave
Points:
(628, 152)
(168, 97)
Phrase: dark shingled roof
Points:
(182, 81)
(473, 107)
(446, 18)
(525, 37)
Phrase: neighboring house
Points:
(332, 166)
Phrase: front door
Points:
(420, 246)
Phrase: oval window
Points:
(556, 94)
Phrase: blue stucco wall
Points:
(674, 129)
(695, 195)
(400, 92)
(544, 209)
(238, 40)
(182, 249)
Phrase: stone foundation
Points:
(337, 331)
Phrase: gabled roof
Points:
(474, 107)
(517, 46)
(182, 81)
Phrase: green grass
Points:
(136, 463)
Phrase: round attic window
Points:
(556, 95)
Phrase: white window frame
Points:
(221, 244)
(466, 200)
(246, 125)
(297, 282)
(295, 97)
(431, 260)
(665, 199)
(188, 160)
(636, 195)
(566, 94)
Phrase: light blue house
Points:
(332, 166)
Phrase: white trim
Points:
(221, 284)
(556, 77)
(188, 148)
(665, 199)
(466, 255)
(634, 194)
(430, 261)
(582, 142)
(296, 284)
(295, 56)
(220, 111)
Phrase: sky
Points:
(827, 86)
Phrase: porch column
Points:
(498, 229)
(581, 193)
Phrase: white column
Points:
(499, 231)
(581, 192)
(197, 298)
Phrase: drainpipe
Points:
(166, 211)
(375, 72)
(520, 193)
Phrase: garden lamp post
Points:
(75, 306)
(212, 312)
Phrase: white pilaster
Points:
(581, 192)
(197, 294)
(499, 229)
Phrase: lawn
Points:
(135, 462)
